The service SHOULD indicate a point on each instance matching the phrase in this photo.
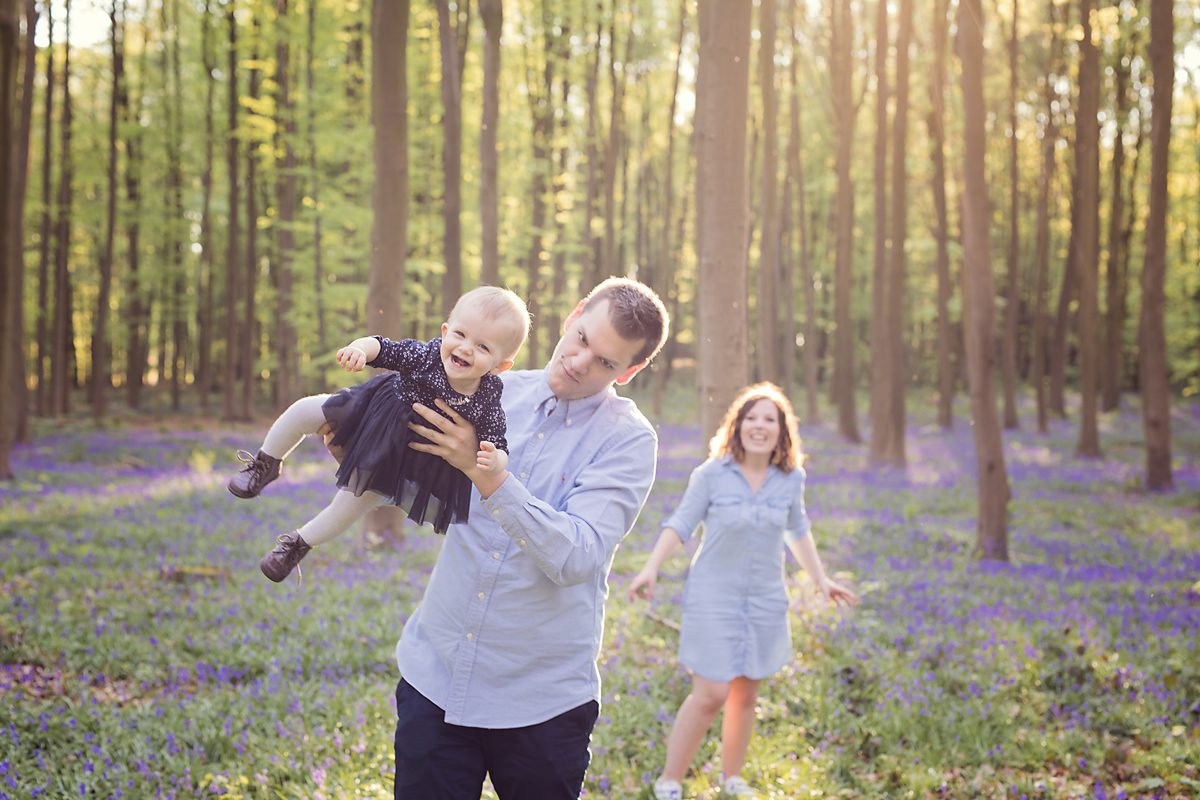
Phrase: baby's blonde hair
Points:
(503, 306)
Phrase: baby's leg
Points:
(345, 509)
(302, 418)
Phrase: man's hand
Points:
(454, 440)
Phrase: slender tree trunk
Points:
(314, 180)
(769, 367)
(1012, 300)
(666, 269)
(249, 330)
(1042, 266)
(613, 148)
(10, 38)
(173, 202)
(137, 331)
(19, 368)
(595, 268)
(881, 354)
(540, 108)
(207, 277)
(845, 110)
(722, 88)
(389, 232)
(233, 331)
(796, 186)
(1153, 375)
(492, 12)
(552, 310)
(1056, 397)
(288, 384)
(101, 345)
(448, 36)
(937, 135)
(1087, 167)
(898, 270)
(41, 402)
(992, 531)
(1115, 281)
(60, 359)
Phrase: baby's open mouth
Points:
(458, 362)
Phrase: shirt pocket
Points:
(726, 509)
(775, 511)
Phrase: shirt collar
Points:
(543, 394)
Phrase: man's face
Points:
(591, 355)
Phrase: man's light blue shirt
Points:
(510, 626)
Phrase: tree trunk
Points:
(937, 135)
(722, 89)
(612, 149)
(288, 384)
(137, 331)
(1012, 300)
(173, 200)
(845, 110)
(492, 12)
(41, 402)
(1153, 374)
(59, 355)
(389, 231)
(894, 452)
(992, 530)
(233, 332)
(206, 277)
(101, 345)
(18, 368)
(595, 269)
(552, 311)
(451, 84)
(665, 272)
(796, 185)
(881, 355)
(1112, 372)
(769, 367)
(10, 39)
(1042, 255)
(541, 112)
(1087, 168)
(314, 179)
(249, 331)
(1056, 397)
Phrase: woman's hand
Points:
(837, 594)
(643, 584)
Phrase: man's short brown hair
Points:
(636, 312)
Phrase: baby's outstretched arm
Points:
(356, 355)
(490, 458)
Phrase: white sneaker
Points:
(668, 790)
(736, 786)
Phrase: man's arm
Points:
(570, 545)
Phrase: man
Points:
(499, 660)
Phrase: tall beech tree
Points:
(937, 135)
(1087, 242)
(979, 294)
(10, 37)
(1153, 372)
(768, 349)
(492, 12)
(1012, 299)
(722, 100)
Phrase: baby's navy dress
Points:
(369, 423)
(735, 605)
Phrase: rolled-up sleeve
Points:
(798, 525)
(694, 505)
(575, 543)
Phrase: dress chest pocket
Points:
(726, 508)
(774, 511)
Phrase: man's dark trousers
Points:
(439, 761)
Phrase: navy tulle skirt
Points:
(369, 426)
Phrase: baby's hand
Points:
(490, 458)
(352, 358)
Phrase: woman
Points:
(750, 496)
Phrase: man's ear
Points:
(503, 366)
(629, 373)
(574, 315)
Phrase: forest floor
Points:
(143, 655)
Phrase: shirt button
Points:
(495, 512)
(470, 636)
(495, 556)
(521, 542)
(568, 423)
(541, 436)
(481, 595)
(524, 475)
